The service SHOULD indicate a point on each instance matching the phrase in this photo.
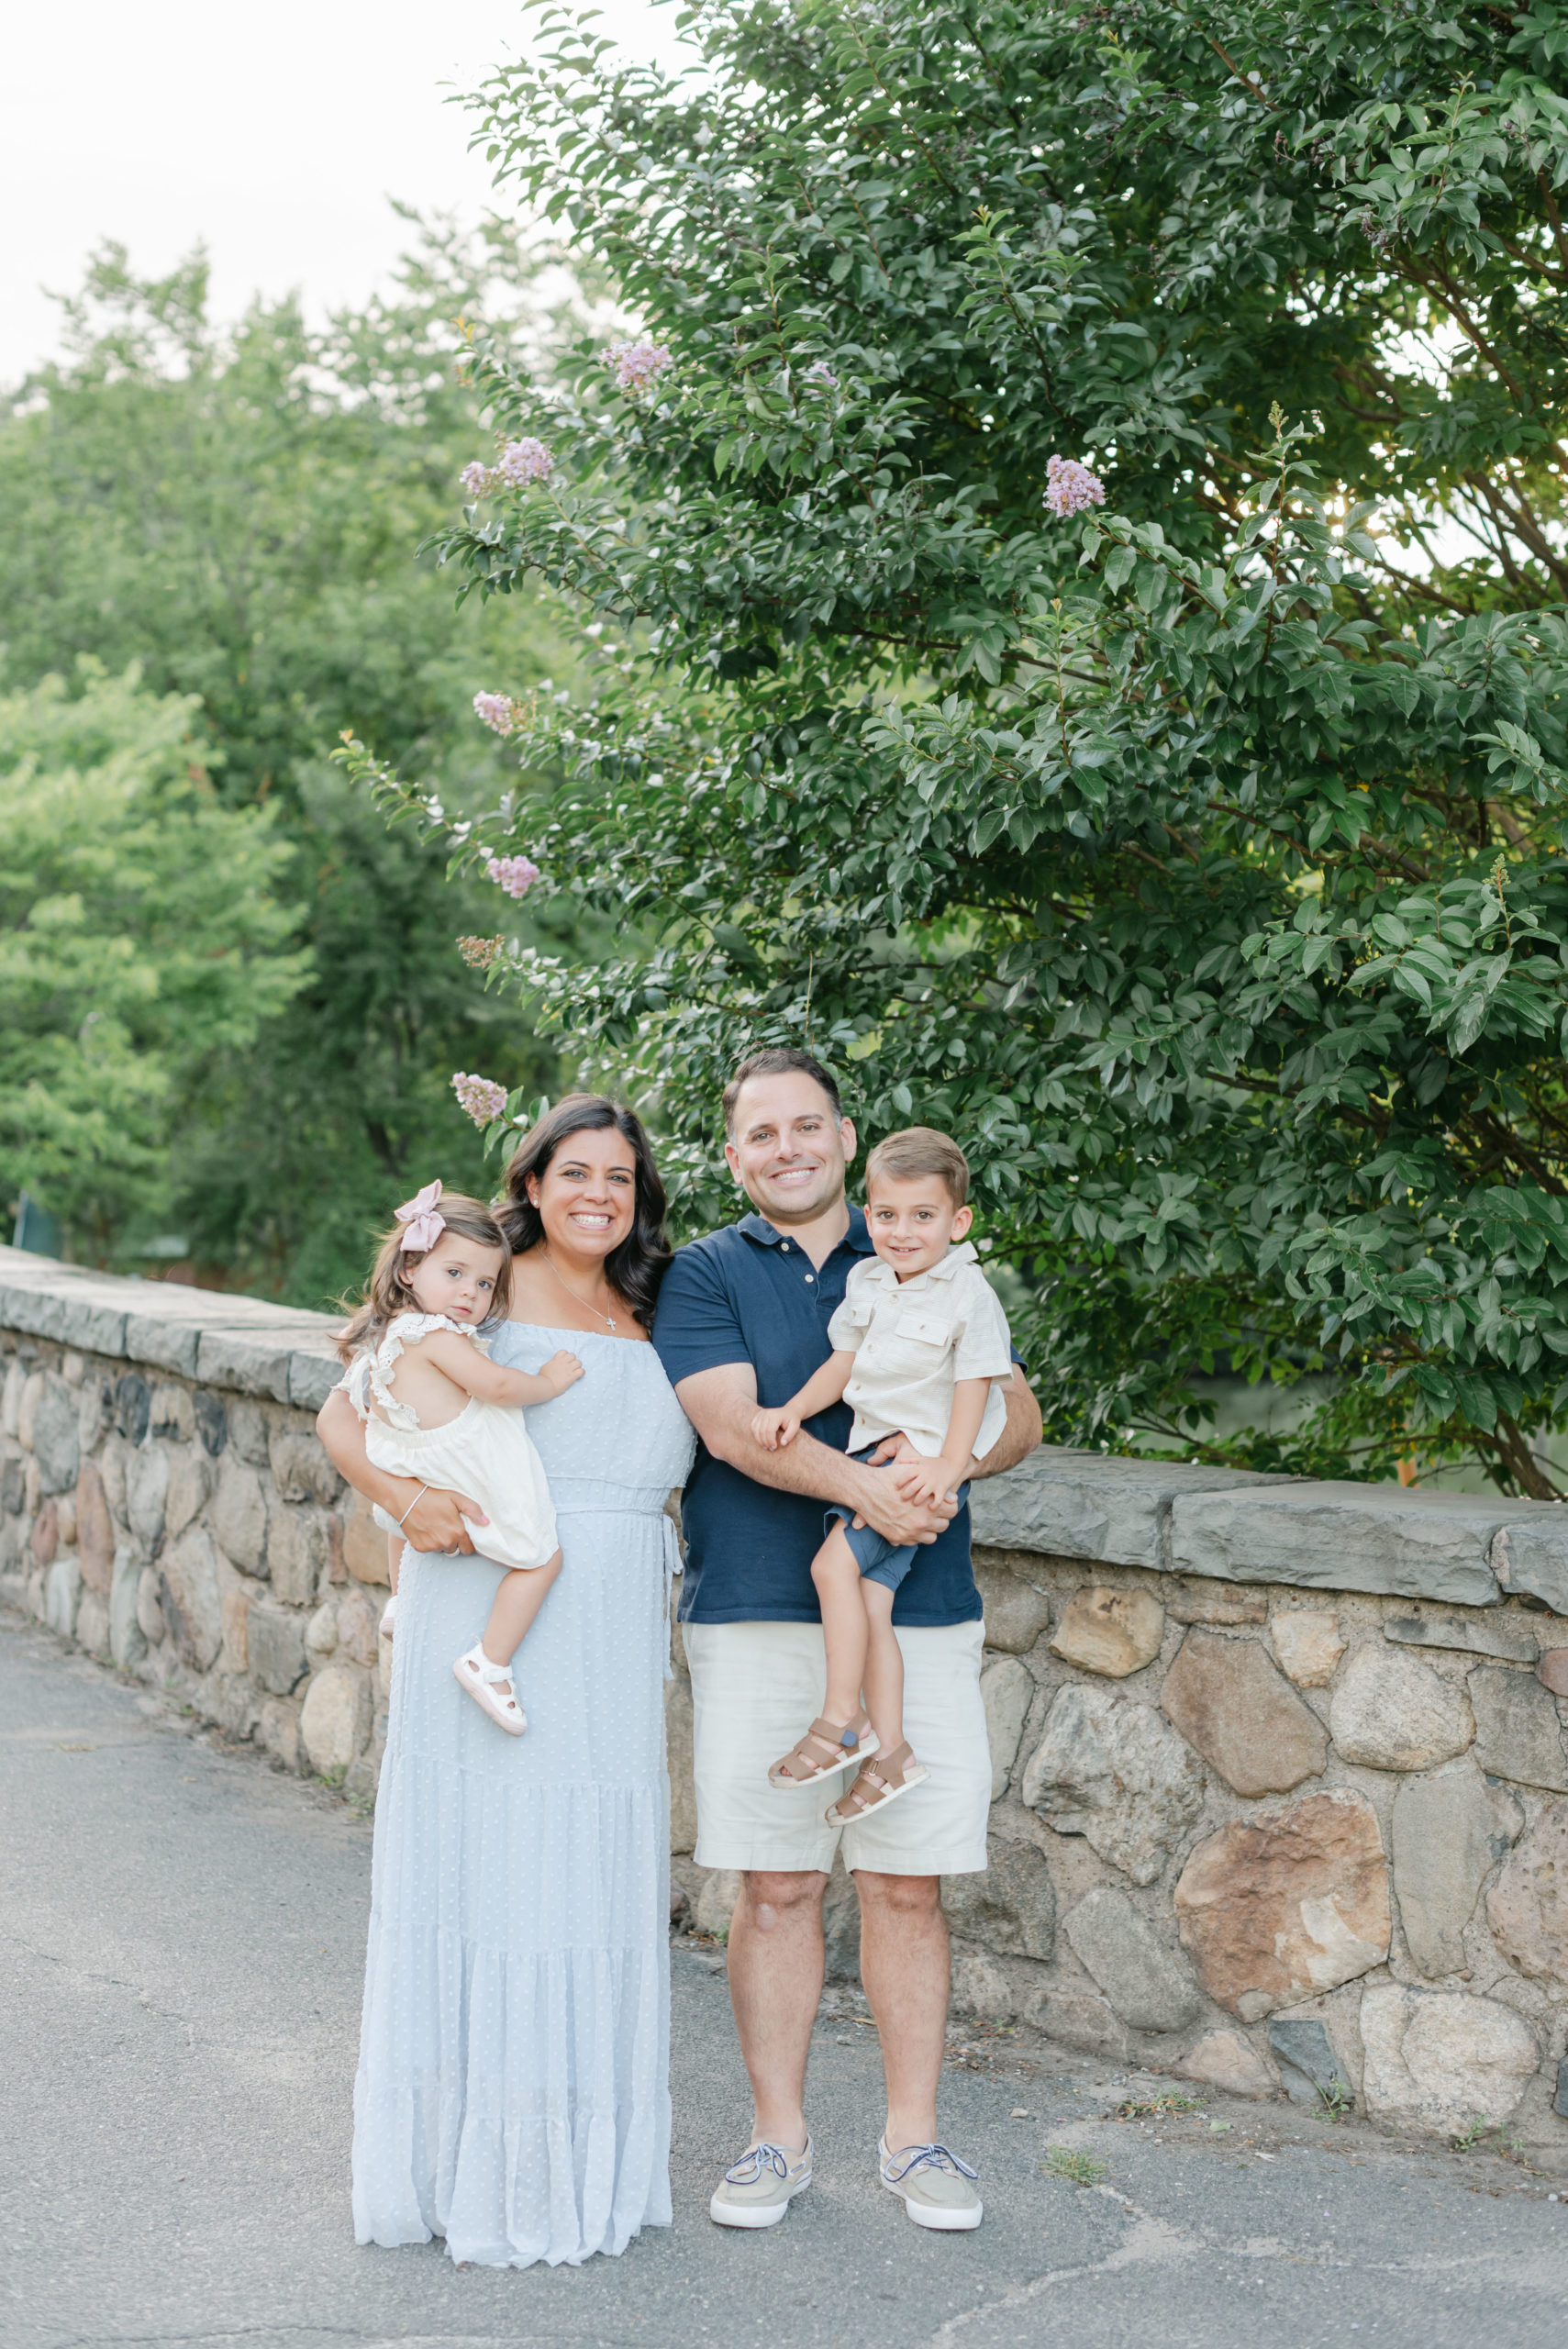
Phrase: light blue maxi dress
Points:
(513, 2088)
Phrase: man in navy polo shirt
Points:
(743, 1320)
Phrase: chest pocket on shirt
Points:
(927, 1329)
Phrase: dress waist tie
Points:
(630, 1501)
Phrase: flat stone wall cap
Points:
(253, 1362)
(1092, 1504)
(246, 1343)
(166, 1343)
(1344, 1536)
(312, 1377)
(91, 1319)
(1529, 1555)
(26, 1307)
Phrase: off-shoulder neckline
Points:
(555, 1330)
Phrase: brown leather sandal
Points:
(838, 1744)
(880, 1783)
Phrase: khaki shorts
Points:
(756, 1689)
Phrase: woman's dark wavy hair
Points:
(636, 1268)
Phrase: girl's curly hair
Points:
(387, 1292)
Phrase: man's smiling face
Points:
(787, 1149)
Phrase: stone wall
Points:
(1280, 1772)
(165, 1503)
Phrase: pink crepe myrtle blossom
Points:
(820, 373)
(1070, 486)
(482, 1098)
(516, 875)
(637, 366)
(523, 461)
(498, 711)
(476, 478)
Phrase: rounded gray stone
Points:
(1149, 1986)
(1448, 1832)
(1114, 1771)
(1519, 1730)
(1391, 1712)
(1015, 1612)
(275, 1645)
(146, 1489)
(1007, 1691)
(1010, 1907)
(56, 1444)
(239, 1516)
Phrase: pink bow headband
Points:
(425, 1224)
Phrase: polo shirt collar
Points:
(758, 1227)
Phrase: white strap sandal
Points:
(482, 1679)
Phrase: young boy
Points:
(921, 1350)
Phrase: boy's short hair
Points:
(779, 1060)
(920, 1149)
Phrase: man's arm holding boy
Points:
(722, 1404)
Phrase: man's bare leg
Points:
(905, 1968)
(775, 1987)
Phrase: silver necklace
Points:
(608, 1320)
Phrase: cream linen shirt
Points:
(913, 1340)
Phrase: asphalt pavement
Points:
(183, 1934)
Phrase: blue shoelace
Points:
(899, 2165)
(751, 2166)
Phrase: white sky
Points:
(276, 137)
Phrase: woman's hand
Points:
(433, 1520)
(440, 1521)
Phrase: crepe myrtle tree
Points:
(1077, 560)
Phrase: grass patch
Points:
(1082, 2169)
(1154, 2108)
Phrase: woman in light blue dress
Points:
(513, 2087)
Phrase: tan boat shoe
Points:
(936, 2190)
(759, 2190)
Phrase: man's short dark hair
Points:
(779, 1060)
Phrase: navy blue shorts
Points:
(878, 1559)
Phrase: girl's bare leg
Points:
(522, 1594)
(837, 1575)
(393, 1559)
(883, 1666)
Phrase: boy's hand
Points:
(774, 1428)
(561, 1371)
(933, 1480)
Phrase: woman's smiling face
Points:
(586, 1197)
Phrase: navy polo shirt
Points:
(751, 1293)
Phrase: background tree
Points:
(237, 512)
(141, 940)
(1195, 856)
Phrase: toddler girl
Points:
(921, 1350)
(436, 1407)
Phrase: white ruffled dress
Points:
(485, 1453)
(513, 2093)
